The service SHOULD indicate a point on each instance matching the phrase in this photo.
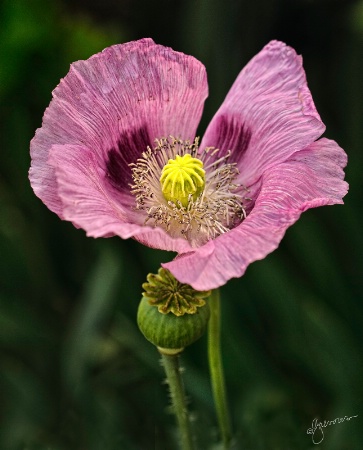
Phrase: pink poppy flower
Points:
(120, 122)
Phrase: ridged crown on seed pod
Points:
(172, 315)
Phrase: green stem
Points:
(173, 375)
(216, 368)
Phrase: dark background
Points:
(75, 373)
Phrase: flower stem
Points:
(174, 379)
(216, 369)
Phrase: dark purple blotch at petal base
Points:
(129, 147)
(233, 136)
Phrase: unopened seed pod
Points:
(172, 315)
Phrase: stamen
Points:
(185, 192)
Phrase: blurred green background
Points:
(75, 373)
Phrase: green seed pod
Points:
(171, 315)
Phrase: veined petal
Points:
(267, 115)
(116, 103)
(309, 178)
(89, 203)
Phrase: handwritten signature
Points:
(316, 430)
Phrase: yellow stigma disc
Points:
(181, 177)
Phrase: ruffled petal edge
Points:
(310, 178)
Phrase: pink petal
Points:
(89, 203)
(116, 103)
(310, 178)
(267, 115)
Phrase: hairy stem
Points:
(173, 375)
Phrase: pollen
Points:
(181, 178)
(188, 192)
